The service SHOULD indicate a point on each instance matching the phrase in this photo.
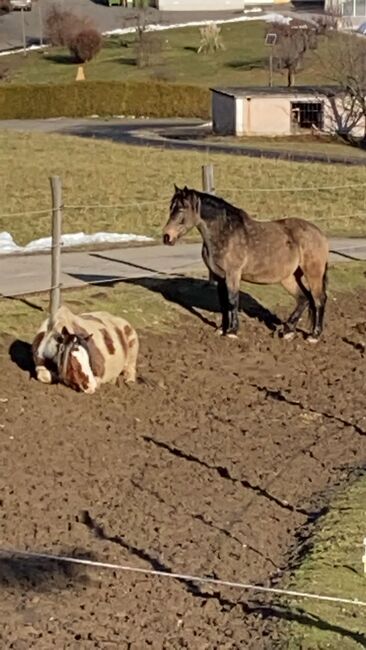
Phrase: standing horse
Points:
(292, 252)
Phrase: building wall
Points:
(339, 119)
(272, 116)
(223, 114)
(266, 116)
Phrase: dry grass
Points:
(140, 181)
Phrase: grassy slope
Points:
(140, 181)
(243, 62)
(333, 567)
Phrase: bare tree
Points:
(293, 42)
(344, 65)
(148, 44)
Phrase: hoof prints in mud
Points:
(201, 477)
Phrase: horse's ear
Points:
(65, 332)
(176, 189)
(87, 337)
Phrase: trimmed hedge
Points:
(104, 98)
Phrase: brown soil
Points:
(213, 466)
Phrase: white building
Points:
(282, 111)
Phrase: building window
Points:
(305, 115)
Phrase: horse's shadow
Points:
(195, 294)
(20, 353)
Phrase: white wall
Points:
(267, 116)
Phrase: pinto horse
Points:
(290, 252)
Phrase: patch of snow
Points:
(270, 18)
(19, 50)
(8, 245)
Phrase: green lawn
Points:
(333, 567)
(243, 62)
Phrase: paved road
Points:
(20, 275)
(187, 134)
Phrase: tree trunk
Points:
(290, 78)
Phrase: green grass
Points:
(333, 567)
(243, 62)
(140, 181)
(326, 145)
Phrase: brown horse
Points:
(292, 252)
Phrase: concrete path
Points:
(20, 275)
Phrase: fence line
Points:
(182, 576)
(137, 203)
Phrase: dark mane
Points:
(212, 207)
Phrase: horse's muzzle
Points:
(167, 240)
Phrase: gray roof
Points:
(274, 91)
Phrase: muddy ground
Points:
(214, 466)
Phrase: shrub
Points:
(211, 39)
(104, 98)
(85, 45)
(5, 7)
(62, 26)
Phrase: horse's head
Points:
(184, 214)
(73, 362)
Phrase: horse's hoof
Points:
(312, 339)
(288, 336)
(231, 335)
(219, 331)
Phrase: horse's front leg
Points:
(228, 290)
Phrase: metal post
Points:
(208, 184)
(40, 19)
(55, 292)
(271, 68)
(23, 32)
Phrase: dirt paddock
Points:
(215, 465)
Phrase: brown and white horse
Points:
(84, 351)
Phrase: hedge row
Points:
(104, 98)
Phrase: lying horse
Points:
(292, 252)
(84, 351)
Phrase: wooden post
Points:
(55, 291)
(208, 184)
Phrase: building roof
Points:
(275, 91)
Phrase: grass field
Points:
(140, 182)
(243, 62)
(334, 567)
